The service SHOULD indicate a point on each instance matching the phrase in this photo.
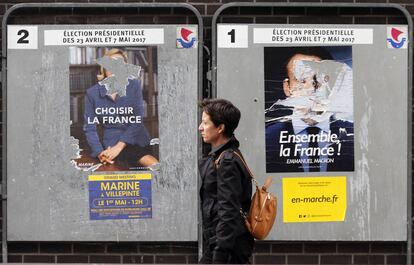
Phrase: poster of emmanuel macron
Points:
(309, 109)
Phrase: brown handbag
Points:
(262, 213)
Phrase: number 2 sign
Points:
(22, 37)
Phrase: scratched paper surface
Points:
(49, 194)
(310, 127)
(367, 87)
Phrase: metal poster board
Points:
(326, 112)
(101, 132)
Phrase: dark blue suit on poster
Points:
(96, 98)
(344, 161)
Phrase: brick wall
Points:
(103, 252)
(266, 252)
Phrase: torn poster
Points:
(309, 109)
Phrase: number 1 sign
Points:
(232, 36)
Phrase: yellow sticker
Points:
(315, 199)
(118, 177)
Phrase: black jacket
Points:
(223, 192)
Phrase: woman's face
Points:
(209, 132)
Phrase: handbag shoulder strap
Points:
(217, 161)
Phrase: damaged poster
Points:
(113, 108)
(309, 109)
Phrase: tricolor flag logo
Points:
(397, 37)
(186, 37)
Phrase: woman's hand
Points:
(104, 159)
(112, 152)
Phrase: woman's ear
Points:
(221, 128)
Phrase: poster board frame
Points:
(56, 7)
(221, 13)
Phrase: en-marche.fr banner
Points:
(314, 199)
(120, 196)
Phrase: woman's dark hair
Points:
(222, 111)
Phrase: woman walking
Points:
(226, 187)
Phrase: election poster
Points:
(120, 196)
(113, 107)
(309, 114)
(99, 109)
